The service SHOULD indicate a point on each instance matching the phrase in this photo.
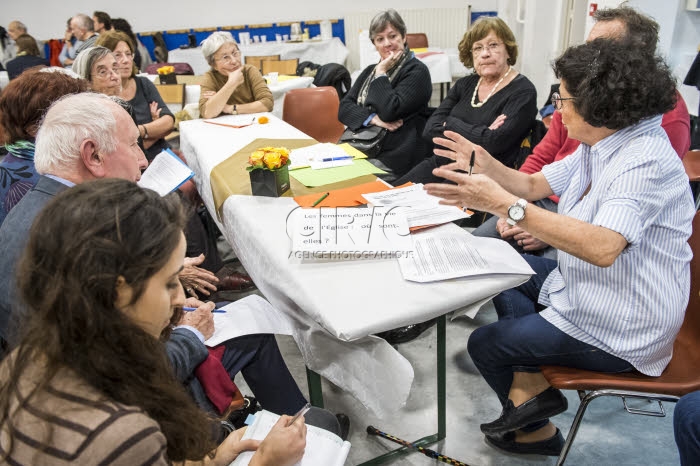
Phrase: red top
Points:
(556, 144)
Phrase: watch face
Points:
(516, 212)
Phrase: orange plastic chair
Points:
(314, 111)
(681, 376)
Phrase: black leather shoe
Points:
(506, 442)
(548, 403)
(407, 333)
(344, 422)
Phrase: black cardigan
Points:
(517, 100)
(406, 97)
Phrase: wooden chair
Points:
(257, 60)
(681, 376)
(417, 40)
(281, 66)
(691, 162)
(314, 111)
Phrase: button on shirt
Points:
(638, 188)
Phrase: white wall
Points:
(46, 20)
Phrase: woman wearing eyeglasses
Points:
(230, 87)
(615, 299)
(495, 107)
(152, 117)
(98, 66)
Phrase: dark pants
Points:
(686, 427)
(522, 340)
(258, 358)
(423, 172)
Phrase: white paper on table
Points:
(235, 120)
(248, 316)
(444, 253)
(421, 208)
(316, 165)
(314, 154)
(350, 233)
(165, 174)
(322, 447)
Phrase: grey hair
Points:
(20, 25)
(82, 66)
(84, 22)
(67, 123)
(381, 20)
(214, 42)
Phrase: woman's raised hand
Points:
(458, 148)
(386, 64)
(155, 111)
(236, 78)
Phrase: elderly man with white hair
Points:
(230, 87)
(83, 29)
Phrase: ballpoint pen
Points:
(471, 162)
(301, 412)
(190, 309)
(333, 159)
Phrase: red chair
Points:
(314, 111)
(681, 376)
(417, 40)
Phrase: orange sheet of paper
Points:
(348, 197)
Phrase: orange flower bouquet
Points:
(166, 74)
(268, 171)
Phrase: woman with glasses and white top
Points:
(230, 87)
(495, 107)
(151, 115)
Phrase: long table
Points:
(335, 306)
(320, 52)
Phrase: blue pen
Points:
(190, 309)
(333, 159)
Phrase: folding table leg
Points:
(315, 388)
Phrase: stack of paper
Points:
(421, 209)
(322, 446)
(319, 156)
(349, 233)
(166, 173)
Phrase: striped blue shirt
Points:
(634, 308)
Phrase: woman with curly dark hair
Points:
(616, 298)
(90, 382)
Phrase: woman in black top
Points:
(392, 94)
(152, 116)
(495, 107)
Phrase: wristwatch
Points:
(234, 111)
(516, 212)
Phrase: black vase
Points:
(269, 183)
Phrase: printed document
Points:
(421, 208)
(322, 447)
(165, 174)
(450, 252)
(319, 156)
(350, 233)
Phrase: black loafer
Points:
(548, 403)
(407, 333)
(506, 442)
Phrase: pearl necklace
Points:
(476, 89)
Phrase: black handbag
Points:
(367, 140)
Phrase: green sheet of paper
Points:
(310, 177)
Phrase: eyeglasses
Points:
(104, 73)
(556, 100)
(492, 47)
(229, 58)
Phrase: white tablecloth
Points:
(319, 52)
(334, 305)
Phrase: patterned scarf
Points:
(391, 74)
(21, 149)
